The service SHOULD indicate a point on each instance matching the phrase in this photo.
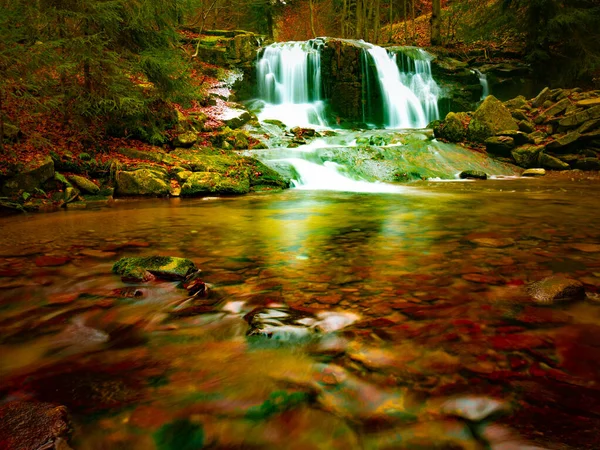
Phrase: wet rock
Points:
(527, 156)
(588, 103)
(558, 108)
(552, 163)
(31, 425)
(563, 141)
(165, 267)
(490, 118)
(587, 248)
(453, 128)
(556, 289)
(534, 173)
(142, 182)
(493, 242)
(588, 164)
(85, 185)
(499, 145)
(52, 261)
(526, 126)
(516, 103)
(473, 174)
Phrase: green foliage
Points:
(107, 60)
(179, 435)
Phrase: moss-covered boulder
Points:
(527, 156)
(500, 145)
(454, 127)
(185, 139)
(85, 185)
(165, 267)
(146, 181)
(33, 175)
(552, 163)
(203, 183)
(490, 118)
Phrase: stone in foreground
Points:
(556, 289)
(32, 425)
(534, 173)
(165, 267)
(473, 175)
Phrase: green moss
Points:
(179, 435)
(167, 267)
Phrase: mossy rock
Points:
(33, 175)
(165, 267)
(453, 129)
(202, 183)
(142, 182)
(527, 156)
(490, 118)
(84, 184)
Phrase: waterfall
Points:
(409, 96)
(484, 83)
(289, 81)
(398, 90)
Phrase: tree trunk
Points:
(405, 23)
(376, 21)
(311, 7)
(391, 21)
(414, 25)
(436, 29)
(343, 19)
(359, 19)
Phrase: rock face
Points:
(34, 175)
(491, 118)
(31, 425)
(202, 183)
(556, 289)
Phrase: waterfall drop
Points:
(484, 83)
(289, 81)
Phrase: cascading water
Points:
(289, 81)
(484, 83)
(409, 96)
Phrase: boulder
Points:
(490, 118)
(516, 103)
(563, 141)
(33, 175)
(556, 289)
(85, 185)
(519, 137)
(453, 128)
(33, 425)
(202, 183)
(500, 145)
(11, 132)
(526, 126)
(534, 173)
(558, 108)
(235, 118)
(578, 119)
(185, 140)
(527, 155)
(588, 164)
(473, 174)
(142, 182)
(543, 96)
(552, 163)
(165, 267)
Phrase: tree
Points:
(561, 36)
(436, 12)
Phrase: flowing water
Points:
(485, 86)
(290, 85)
(335, 319)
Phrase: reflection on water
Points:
(335, 320)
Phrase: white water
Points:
(409, 99)
(326, 177)
(484, 83)
(289, 81)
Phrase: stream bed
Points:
(334, 319)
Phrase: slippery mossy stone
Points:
(141, 182)
(490, 118)
(500, 145)
(527, 155)
(556, 289)
(453, 129)
(84, 184)
(516, 103)
(552, 163)
(166, 267)
(588, 164)
(563, 141)
(473, 174)
(558, 108)
(526, 126)
(543, 96)
(202, 183)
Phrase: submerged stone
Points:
(534, 173)
(167, 267)
(473, 174)
(556, 289)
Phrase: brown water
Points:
(378, 320)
